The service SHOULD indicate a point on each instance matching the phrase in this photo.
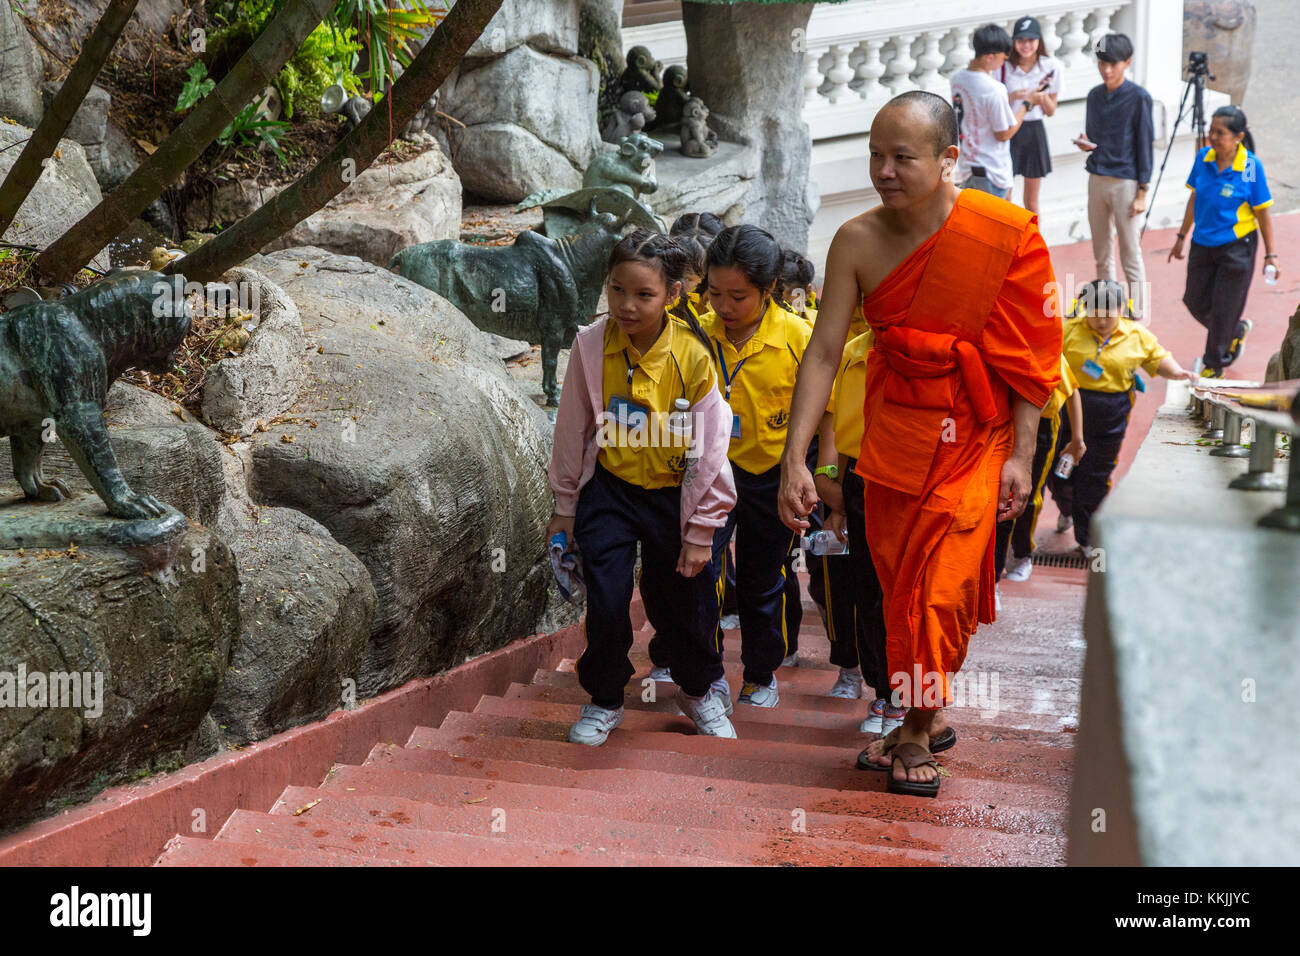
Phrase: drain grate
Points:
(1059, 559)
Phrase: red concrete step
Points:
(412, 846)
(1009, 722)
(751, 723)
(1010, 810)
(792, 714)
(413, 824)
(193, 851)
(705, 757)
(1007, 762)
(371, 787)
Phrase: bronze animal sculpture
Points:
(538, 289)
(57, 360)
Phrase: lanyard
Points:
(1101, 345)
(727, 379)
(632, 368)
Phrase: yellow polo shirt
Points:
(676, 366)
(849, 394)
(761, 377)
(1061, 394)
(1130, 347)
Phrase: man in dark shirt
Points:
(1118, 143)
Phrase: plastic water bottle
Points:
(679, 421)
(823, 543)
(1064, 466)
(1270, 274)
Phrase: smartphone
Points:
(1047, 81)
(1083, 141)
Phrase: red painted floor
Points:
(501, 785)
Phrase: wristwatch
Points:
(1027, 105)
(830, 471)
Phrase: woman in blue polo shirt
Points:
(1229, 206)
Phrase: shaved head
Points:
(932, 110)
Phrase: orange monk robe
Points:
(952, 345)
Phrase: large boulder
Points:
(21, 71)
(264, 379)
(306, 606)
(413, 447)
(145, 656)
(386, 208)
(549, 27)
(66, 191)
(529, 122)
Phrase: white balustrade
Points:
(812, 81)
(870, 71)
(1075, 38)
(898, 73)
(930, 61)
(840, 74)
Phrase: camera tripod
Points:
(1198, 65)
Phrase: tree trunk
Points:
(353, 154)
(278, 41)
(45, 140)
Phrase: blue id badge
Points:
(735, 426)
(627, 412)
(1092, 369)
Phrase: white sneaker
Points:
(889, 721)
(874, 723)
(1021, 569)
(1063, 523)
(594, 725)
(729, 622)
(719, 689)
(791, 661)
(997, 599)
(661, 674)
(722, 690)
(751, 693)
(708, 714)
(848, 684)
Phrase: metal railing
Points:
(1227, 416)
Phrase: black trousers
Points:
(1019, 532)
(1218, 278)
(1105, 419)
(868, 599)
(763, 546)
(612, 516)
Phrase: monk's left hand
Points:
(1015, 488)
(797, 497)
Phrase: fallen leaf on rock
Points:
(302, 810)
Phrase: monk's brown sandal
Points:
(912, 756)
(945, 741)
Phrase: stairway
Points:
(502, 786)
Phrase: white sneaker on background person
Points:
(874, 723)
(707, 713)
(791, 661)
(661, 674)
(753, 694)
(594, 725)
(1020, 569)
(729, 622)
(848, 684)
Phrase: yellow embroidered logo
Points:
(778, 420)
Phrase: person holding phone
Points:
(1033, 77)
(1118, 142)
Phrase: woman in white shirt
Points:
(1032, 77)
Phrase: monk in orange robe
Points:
(959, 289)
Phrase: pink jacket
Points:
(708, 491)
